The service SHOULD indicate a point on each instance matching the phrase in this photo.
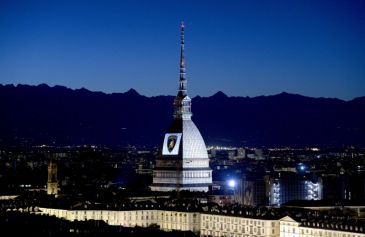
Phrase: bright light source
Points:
(231, 183)
(302, 167)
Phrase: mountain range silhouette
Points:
(33, 115)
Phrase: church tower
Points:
(183, 162)
(52, 183)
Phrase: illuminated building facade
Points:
(52, 182)
(290, 186)
(183, 162)
(212, 224)
(259, 189)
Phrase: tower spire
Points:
(182, 102)
(182, 85)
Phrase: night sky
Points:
(243, 48)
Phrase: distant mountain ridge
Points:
(62, 116)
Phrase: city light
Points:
(231, 183)
(301, 167)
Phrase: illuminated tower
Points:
(52, 184)
(183, 162)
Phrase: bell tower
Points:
(52, 183)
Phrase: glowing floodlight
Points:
(231, 183)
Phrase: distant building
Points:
(259, 154)
(241, 153)
(290, 186)
(231, 154)
(253, 190)
(344, 185)
(212, 153)
(52, 183)
(183, 162)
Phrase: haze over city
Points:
(243, 48)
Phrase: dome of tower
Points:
(193, 145)
(189, 144)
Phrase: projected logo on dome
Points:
(171, 144)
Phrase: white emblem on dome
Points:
(171, 141)
(171, 144)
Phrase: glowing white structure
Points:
(210, 224)
(314, 190)
(292, 187)
(52, 183)
(183, 163)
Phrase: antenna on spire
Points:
(182, 102)
(182, 58)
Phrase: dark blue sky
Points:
(244, 48)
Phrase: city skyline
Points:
(241, 48)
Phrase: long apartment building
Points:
(214, 223)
